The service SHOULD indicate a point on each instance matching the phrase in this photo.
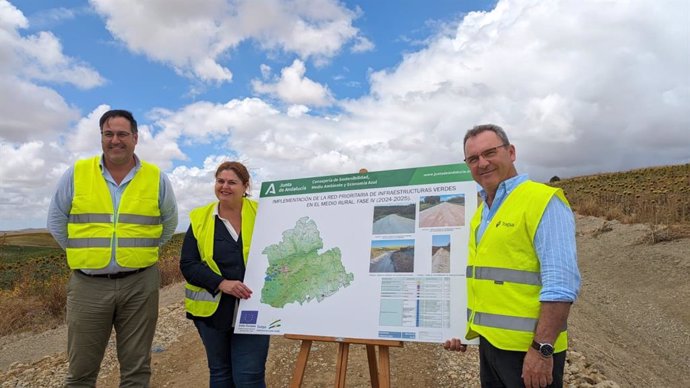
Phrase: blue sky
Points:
(440, 240)
(318, 87)
(391, 243)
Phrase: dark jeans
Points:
(503, 368)
(234, 360)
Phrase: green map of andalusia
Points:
(297, 272)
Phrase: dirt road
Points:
(393, 224)
(443, 214)
(440, 261)
(630, 327)
(382, 263)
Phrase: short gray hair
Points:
(487, 127)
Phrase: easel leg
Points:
(384, 367)
(341, 364)
(301, 364)
(373, 370)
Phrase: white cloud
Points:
(28, 174)
(193, 186)
(207, 69)
(294, 88)
(54, 16)
(580, 86)
(558, 94)
(20, 101)
(46, 62)
(362, 44)
(26, 61)
(297, 110)
(85, 139)
(310, 28)
(38, 56)
(194, 37)
(265, 70)
(10, 17)
(159, 148)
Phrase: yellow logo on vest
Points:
(506, 224)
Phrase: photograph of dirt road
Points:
(394, 219)
(442, 211)
(392, 256)
(440, 253)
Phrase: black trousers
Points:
(503, 368)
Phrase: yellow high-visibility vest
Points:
(198, 301)
(504, 274)
(93, 225)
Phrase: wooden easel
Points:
(380, 376)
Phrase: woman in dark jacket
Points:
(213, 261)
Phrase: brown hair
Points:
(238, 168)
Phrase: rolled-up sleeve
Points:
(556, 247)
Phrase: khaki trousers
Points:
(94, 307)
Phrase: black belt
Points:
(117, 275)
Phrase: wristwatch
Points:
(545, 349)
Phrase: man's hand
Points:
(537, 371)
(235, 288)
(455, 344)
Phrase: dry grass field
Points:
(31, 238)
(33, 274)
(656, 195)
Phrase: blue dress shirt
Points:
(554, 242)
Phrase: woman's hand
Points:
(235, 288)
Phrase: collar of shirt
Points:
(504, 189)
(227, 223)
(130, 175)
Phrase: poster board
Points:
(375, 255)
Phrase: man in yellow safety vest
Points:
(111, 213)
(522, 273)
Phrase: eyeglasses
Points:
(120, 135)
(486, 154)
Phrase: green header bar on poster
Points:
(371, 180)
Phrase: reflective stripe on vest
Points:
(203, 296)
(92, 222)
(503, 271)
(504, 275)
(138, 219)
(88, 242)
(198, 301)
(130, 242)
(505, 321)
(90, 218)
(106, 242)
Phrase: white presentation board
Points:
(376, 255)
